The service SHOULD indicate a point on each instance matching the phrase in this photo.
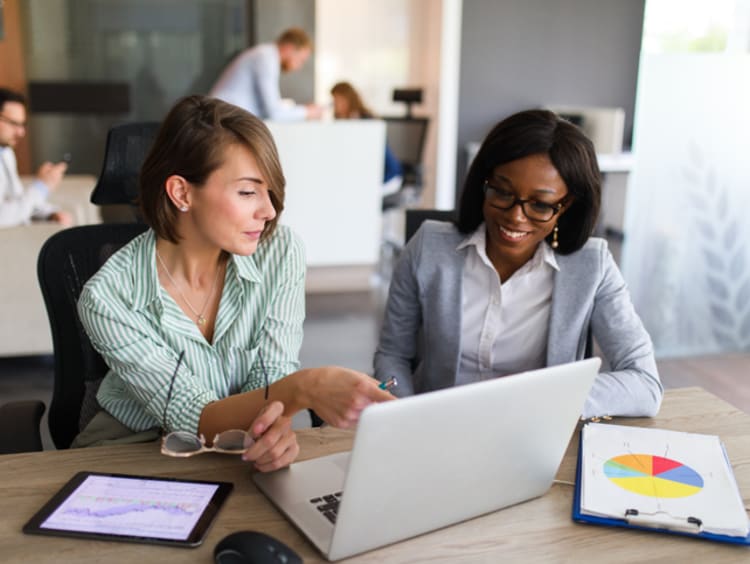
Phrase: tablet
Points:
(121, 507)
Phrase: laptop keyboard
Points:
(328, 505)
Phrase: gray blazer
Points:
(424, 313)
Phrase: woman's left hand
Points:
(275, 443)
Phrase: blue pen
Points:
(388, 384)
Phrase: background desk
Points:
(538, 530)
(334, 178)
(24, 328)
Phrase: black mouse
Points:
(253, 547)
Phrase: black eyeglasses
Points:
(532, 209)
(183, 444)
(14, 123)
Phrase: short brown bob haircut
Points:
(191, 143)
(295, 36)
(539, 132)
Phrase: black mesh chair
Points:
(67, 260)
(127, 147)
(415, 218)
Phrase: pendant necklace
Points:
(200, 319)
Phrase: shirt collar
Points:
(146, 286)
(478, 239)
(145, 275)
(246, 267)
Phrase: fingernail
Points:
(248, 442)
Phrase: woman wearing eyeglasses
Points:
(200, 313)
(518, 282)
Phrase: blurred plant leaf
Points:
(743, 296)
(722, 315)
(713, 260)
(717, 288)
(737, 265)
(723, 202)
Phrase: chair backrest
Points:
(66, 261)
(415, 218)
(406, 138)
(127, 147)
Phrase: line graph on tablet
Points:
(126, 506)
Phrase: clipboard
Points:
(630, 523)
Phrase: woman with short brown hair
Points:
(200, 318)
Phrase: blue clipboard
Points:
(613, 522)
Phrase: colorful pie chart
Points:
(653, 476)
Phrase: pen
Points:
(388, 384)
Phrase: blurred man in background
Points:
(251, 81)
(20, 204)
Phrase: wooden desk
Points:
(538, 530)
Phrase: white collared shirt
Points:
(19, 204)
(504, 327)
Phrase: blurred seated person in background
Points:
(347, 104)
(251, 81)
(518, 281)
(218, 280)
(20, 204)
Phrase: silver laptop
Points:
(428, 461)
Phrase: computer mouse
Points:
(253, 547)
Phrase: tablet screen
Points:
(138, 508)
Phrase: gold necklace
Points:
(198, 314)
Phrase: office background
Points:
(477, 61)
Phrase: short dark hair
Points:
(295, 36)
(11, 96)
(192, 142)
(539, 132)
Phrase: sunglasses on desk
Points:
(182, 444)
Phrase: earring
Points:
(554, 244)
(183, 208)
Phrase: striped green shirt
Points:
(140, 331)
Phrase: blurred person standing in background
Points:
(251, 81)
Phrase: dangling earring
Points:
(554, 244)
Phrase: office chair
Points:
(127, 147)
(415, 218)
(67, 260)
(409, 96)
(19, 426)
(406, 138)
